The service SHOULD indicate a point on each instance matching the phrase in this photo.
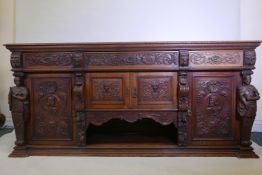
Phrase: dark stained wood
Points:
(66, 96)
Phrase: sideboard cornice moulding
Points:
(133, 99)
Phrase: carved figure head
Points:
(17, 81)
(247, 79)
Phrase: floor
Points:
(124, 165)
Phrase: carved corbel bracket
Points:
(249, 58)
(247, 107)
(19, 106)
(78, 60)
(16, 60)
(184, 58)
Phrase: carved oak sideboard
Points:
(133, 99)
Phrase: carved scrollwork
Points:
(99, 118)
(48, 59)
(18, 103)
(215, 58)
(136, 58)
(247, 106)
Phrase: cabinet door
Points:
(107, 90)
(156, 90)
(213, 108)
(51, 109)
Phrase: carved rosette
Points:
(19, 107)
(184, 108)
(247, 107)
(249, 57)
(136, 58)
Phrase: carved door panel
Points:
(50, 98)
(213, 109)
(107, 90)
(154, 90)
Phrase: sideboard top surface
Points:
(134, 46)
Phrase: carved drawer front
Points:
(132, 60)
(213, 118)
(107, 90)
(216, 58)
(150, 90)
(51, 107)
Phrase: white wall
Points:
(126, 20)
(6, 36)
(251, 29)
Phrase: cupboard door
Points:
(154, 90)
(50, 98)
(107, 90)
(213, 119)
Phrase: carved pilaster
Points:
(184, 110)
(183, 58)
(79, 92)
(249, 57)
(81, 127)
(247, 107)
(18, 103)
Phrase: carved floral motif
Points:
(197, 58)
(136, 58)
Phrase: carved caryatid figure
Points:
(18, 101)
(247, 107)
